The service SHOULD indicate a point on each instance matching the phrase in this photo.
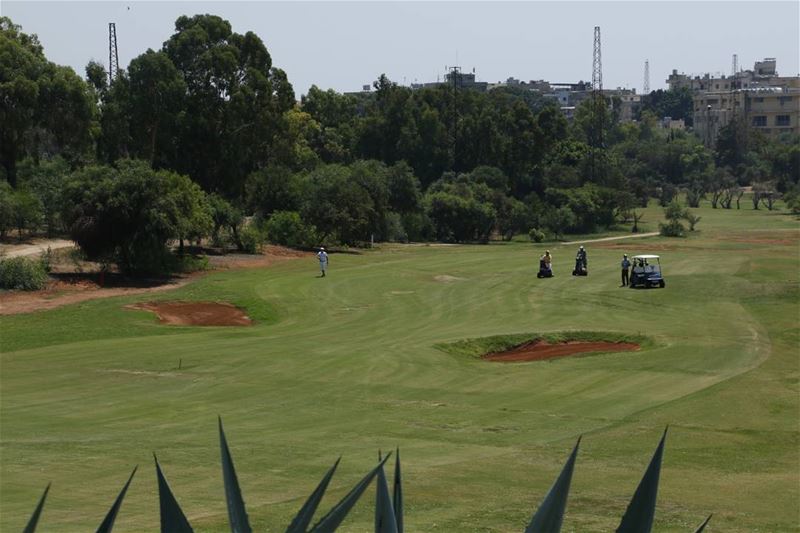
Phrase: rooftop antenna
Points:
(113, 57)
(646, 86)
(735, 65)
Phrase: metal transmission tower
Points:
(597, 65)
(113, 57)
(646, 86)
(455, 79)
(598, 102)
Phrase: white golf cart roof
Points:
(645, 256)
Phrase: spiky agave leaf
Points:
(237, 515)
(385, 521)
(337, 514)
(31, 527)
(550, 515)
(398, 493)
(306, 513)
(108, 522)
(703, 525)
(641, 511)
(172, 518)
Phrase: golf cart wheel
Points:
(661, 284)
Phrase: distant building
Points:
(768, 102)
(669, 123)
(772, 111)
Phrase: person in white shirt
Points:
(323, 261)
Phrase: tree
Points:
(676, 104)
(558, 221)
(404, 189)
(337, 205)
(194, 219)
(225, 216)
(6, 208)
(270, 189)
(127, 214)
(458, 218)
(46, 182)
(43, 107)
(156, 91)
(235, 102)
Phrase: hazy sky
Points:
(343, 45)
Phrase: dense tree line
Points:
(203, 135)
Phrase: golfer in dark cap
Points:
(626, 265)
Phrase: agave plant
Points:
(548, 518)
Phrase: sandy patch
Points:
(540, 350)
(444, 278)
(195, 313)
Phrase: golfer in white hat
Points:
(323, 261)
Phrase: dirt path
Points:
(35, 248)
(632, 236)
(60, 292)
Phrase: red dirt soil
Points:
(540, 350)
(195, 313)
(61, 292)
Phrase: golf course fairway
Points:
(348, 364)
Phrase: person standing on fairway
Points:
(626, 265)
(323, 261)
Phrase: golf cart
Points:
(646, 272)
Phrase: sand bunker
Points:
(196, 313)
(540, 350)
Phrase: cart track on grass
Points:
(24, 250)
(604, 239)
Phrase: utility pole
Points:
(455, 78)
(113, 57)
(646, 86)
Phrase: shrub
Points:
(185, 263)
(288, 229)
(674, 212)
(673, 228)
(23, 273)
(536, 235)
(395, 232)
(693, 220)
(250, 239)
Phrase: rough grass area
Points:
(481, 346)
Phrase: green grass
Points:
(348, 364)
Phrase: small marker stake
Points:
(180, 362)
